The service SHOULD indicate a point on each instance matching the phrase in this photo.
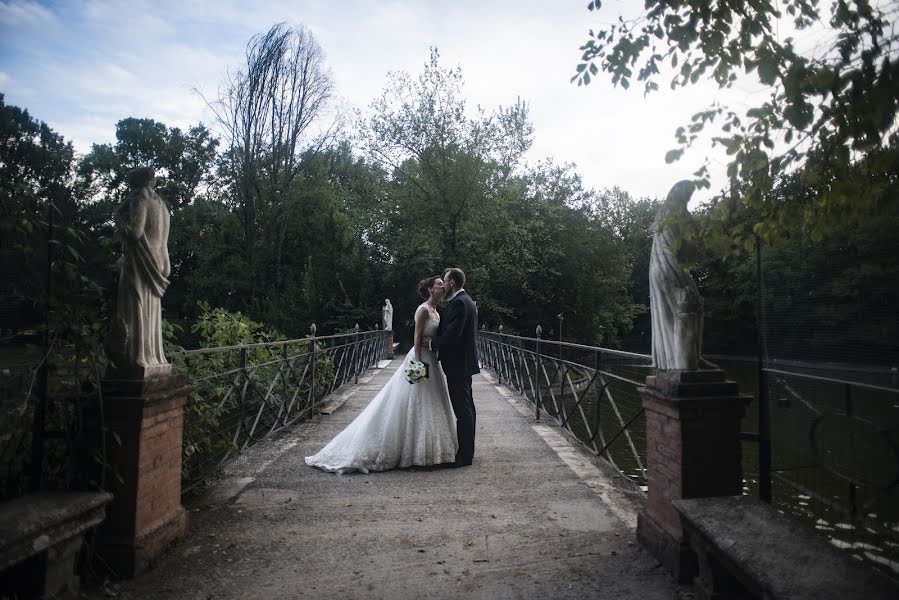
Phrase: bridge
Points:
(535, 516)
(587, 467)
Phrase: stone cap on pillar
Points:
(134, 388)
(135, 372)
(131, 400)
(692, 384)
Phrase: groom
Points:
(458, 354)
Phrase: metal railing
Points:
(835, 459)
(590, 391)
(242, 394)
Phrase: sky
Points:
(83, 66)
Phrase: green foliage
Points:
(529, 240)
(829, 108)
(53, 282)
(230, 383)
(53, 316)
(183, 162)
(550, 249)
(218, 327)
(447, 162)
(205, 265)
(828, 298)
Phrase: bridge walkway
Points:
(532, 518)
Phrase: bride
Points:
(406, 424)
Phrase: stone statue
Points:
(387, 315)
(674, 301)
(135, 341)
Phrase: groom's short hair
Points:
(456, 275)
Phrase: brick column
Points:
(146, 514)
(693, 451)
(390, 344)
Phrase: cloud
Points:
(103, 60)
(23, 13)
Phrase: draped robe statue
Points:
(135, 342)
(674, 302)
(387, 315)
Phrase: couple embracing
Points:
(432, 421)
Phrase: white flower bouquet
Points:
(416, 371)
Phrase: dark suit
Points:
(456, 347)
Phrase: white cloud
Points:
(110, 59)
(23, 13)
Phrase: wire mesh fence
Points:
(42, 410)
(828, 353)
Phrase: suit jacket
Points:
(456, 341)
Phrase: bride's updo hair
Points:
(425, 285)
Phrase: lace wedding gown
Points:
(404, 425)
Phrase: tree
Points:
(330, 274)
(579, 265)
(183, 163)
(35, 192)
(266, 111)
(631, 221)
(829, 108)
(828, 299)
(449, 161)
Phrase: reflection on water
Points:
(871, 539)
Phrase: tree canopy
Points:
(831, 74)
(426, 182)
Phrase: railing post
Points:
(561, 318)
(596, 380)
(356, 347)
(537, 366)
(518, 366)
(853, 500)
(312, 352)
(284, 371)
(762, 396)
(501, 358)
(246, 377)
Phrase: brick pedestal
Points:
(390, 353)
(693, 451)
(146, 514)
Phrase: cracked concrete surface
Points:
(532, 518)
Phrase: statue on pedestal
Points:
(387, 315)
(135, 341)
(674, 301)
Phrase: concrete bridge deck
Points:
(532, 518)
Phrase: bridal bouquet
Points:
(416, 371)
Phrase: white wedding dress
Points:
(404, 425)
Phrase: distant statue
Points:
(387, 315)
(674, 302)
(135, 340)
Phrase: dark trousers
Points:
(459, 385)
